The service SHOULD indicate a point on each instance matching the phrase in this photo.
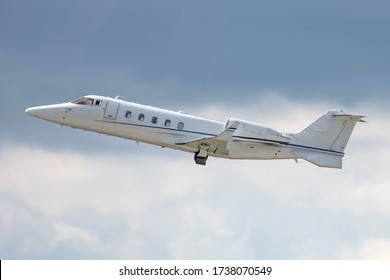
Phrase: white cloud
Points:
(65, 233)
(159, 204)
(205, 232)
(370, 249)
(271, 109)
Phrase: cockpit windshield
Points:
(87, 101)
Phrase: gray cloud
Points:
(316, 50)
(173, 54)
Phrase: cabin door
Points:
(111, 110)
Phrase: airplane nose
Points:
(30, 111)
(35, 111)
(48, 112)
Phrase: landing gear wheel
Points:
(200, 160)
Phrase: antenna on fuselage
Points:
(119, 97)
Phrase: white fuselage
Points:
(150, 125)
(322, 143)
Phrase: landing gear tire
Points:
(200, 160)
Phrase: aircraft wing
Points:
(214, 144)
(237, 131)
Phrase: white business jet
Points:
(321, 143)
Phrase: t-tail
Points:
(323, 142)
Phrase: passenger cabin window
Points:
(87, 101)
(154, 120)
(167, 123)
(141, 117)
(180, 125)
(128, 115)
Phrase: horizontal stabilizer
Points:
(321, 159)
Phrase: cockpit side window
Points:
(87, 101)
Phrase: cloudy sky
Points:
(71, 194)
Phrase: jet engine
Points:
(253, 132)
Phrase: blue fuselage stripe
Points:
(286, 144)
(289, 144)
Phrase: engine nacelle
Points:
(253, 132)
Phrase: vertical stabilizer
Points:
(329, 132)
(324, 141)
